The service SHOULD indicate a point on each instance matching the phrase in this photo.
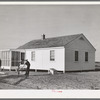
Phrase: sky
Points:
(20, 24)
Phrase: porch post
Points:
(10, 58)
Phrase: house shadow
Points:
(22, 79)
(3, 79)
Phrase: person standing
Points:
(28, 68)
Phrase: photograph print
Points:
(50, 47)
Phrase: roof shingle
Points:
(49, 42)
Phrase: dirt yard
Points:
(43, 80)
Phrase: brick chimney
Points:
(43, 36)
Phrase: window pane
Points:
(52, 55)
(5, 58)
(33, 55)
(86, 56)
(15, 58)
(76, 55)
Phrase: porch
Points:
(10, 58)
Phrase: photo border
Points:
(77, 94)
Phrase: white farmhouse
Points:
(65, 53)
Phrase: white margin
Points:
(50, 93)
(51, 3)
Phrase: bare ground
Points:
(43, 80)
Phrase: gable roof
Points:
(49, 42)
(88, 42)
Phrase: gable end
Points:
(81, 38)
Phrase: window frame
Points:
(86, 56)
(5, 58)
(33, 56)
(52, 55)
(76, 59)
(15, 58)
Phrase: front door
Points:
(22, 57)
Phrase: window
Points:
(52, 55)
(86, 56)
(76, 55)
(15, 58)
(81, 38)
(5, 57)
(33, 55)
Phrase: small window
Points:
(86, 56)
(81, 38)
(52, 55)
(76, 55)
(33, 55)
